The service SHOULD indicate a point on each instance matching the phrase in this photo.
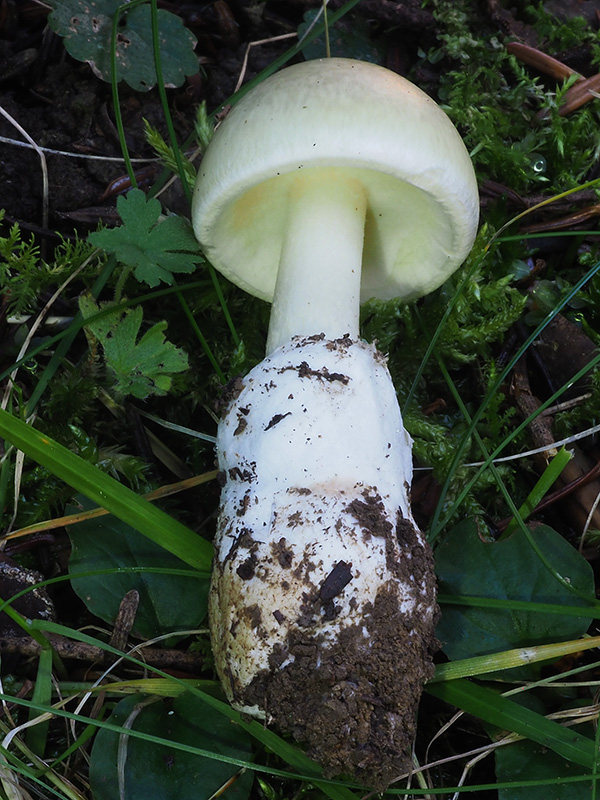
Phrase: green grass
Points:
(64, 412)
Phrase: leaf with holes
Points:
(86, 27)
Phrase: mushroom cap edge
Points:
(359, 119)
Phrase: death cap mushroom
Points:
(365, 123)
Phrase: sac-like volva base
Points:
(322, 605)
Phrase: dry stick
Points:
(541, 61)
(125, 620)
(258, 42)
(582, 91)
(43, 164)
(554, 445)
(80, 651)
(589, 520)
(72, 519)
(541, 431)
(565, 405)
(67, 154)
(563, 223)
(118, 640)
(561, 493)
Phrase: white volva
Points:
(315, 535)
(313, 438)
(332, 182)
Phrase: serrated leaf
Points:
(149, 770)
(154, 250)
(168, 602)
(141, 367)
(508, 569)
(86, 27)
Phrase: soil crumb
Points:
(353, 704)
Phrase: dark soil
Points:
(354, 704)
(63, 106)
(67, 110)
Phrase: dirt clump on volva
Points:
(315, 533)
(353, 703)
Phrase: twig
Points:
(87, 156)
(255, 44)
(80, 651)
(43, 164)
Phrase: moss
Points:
(494, 99)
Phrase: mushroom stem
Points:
(318, 283)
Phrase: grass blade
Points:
(108, 493)
(288, 752)
(541, 488)
(509, 659)
(488, 705)
(37, 735)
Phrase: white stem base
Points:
(322, 607)
(318, 283)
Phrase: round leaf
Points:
(168, 602)
(152, 771)
(529, 761)
(508, 569)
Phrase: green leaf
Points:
(154, 250)
(508, 569)
(86, 27)
(108, 493)
(298, 760)
(530, 761)
(154, 771)
(141, 367)
(505, 714)
(167, 602)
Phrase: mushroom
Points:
(332, 182)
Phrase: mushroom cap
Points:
(373, 126)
